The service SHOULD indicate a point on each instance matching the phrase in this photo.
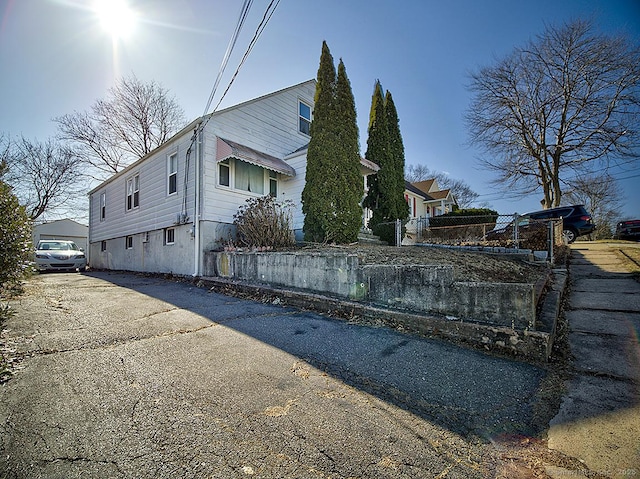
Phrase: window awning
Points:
(230, 149)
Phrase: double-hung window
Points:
(249, 177)
(103, 206)
(172, 174)
(304, 118)
(133, 192)
(224, 173)
(273, 183)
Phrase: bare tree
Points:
(461, 191)
(43, 175)
(133, 120)
(603, 198)
(555, 106)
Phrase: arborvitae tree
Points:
(347, 166)
(394, 194)
(377, 143)
(385, 148)
(316, 201)
(333, 187)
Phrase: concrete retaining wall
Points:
(415, 288)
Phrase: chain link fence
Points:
(501, 231)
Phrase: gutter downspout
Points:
(196, 212)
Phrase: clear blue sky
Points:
(56, 57)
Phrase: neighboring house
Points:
(161, 213)
(66, 229)
(425, 200)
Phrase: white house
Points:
(164, 211)
(426, 199)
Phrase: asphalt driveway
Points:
(127, 375)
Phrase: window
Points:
(103, 246)
(129, 242)
(223, 173)
(133, 192)
(170, 236)
(172, 174)
(304, 118)
(249, 177)
(273, 184)
(103, 206)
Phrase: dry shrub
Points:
(263, 222)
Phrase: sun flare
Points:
(116, 17)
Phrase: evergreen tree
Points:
(376, 152)
(347, 166)
(397, 205)
(333, 186)
(15, 231)
(316, 201)
(385, 148)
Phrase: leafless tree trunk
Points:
(132, 121)
(553, 108)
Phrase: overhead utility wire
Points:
(246, 6)
(271, 8)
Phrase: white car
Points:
(59, 255)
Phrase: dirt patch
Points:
(467, 265)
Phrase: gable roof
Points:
(426, 185)
(230, 149)
(420, 188)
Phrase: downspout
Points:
(196, 212)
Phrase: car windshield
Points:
(57, 246)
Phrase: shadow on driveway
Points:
(465, 391)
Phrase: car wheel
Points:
(569, 235)
(82, 270)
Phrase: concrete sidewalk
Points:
(599, 419)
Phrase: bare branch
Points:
(551, 108)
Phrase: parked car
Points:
(576, 222)
(59, 255)
(628, 230)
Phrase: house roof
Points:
(364, 163)
(425, 186)
(418, 188)
(231, 149)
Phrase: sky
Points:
(57, 57)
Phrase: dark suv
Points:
(576, 222)
(575, 219)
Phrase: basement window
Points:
(169, 236)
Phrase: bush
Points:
(469, 216)
(262, 222)
(15, 247)
(15, 241)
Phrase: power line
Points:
(244, 11)
(271, 8)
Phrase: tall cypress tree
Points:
(316, 200)
(333, 184)
(376, 151)
(349, 185)
(398, 207)
(385, 148)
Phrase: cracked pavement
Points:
(133, 376)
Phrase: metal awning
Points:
(230, 149)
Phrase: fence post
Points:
(516, 230)
(551, 239)
(398, 232)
